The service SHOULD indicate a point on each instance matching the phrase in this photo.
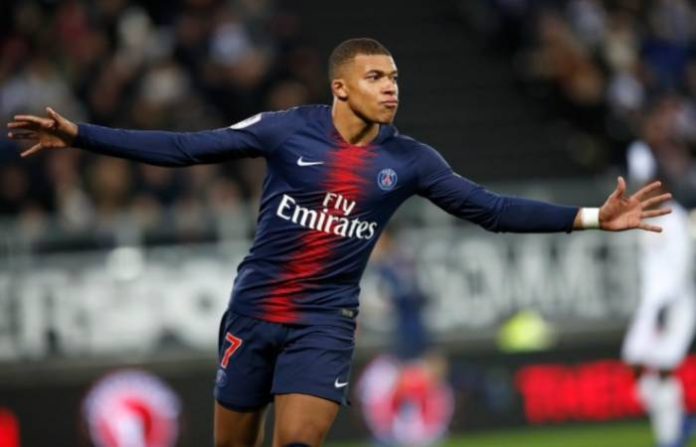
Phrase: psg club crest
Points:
(221, 378)
(386, 179)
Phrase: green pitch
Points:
(633, 434)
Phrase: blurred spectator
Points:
(73, 209)
(14, 189)
(286, 94)
(399, 283)
(39, 83)
(110, 182)
(589, 20)
(561, 58)
(161, 183)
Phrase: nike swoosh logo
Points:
(301, 162)
(338, 384)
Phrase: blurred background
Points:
(113, 275)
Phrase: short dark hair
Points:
(348, 49)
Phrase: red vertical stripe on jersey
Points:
(345, 177)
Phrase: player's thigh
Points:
(302, 419)
(238, 429)
(315, 361)
(246, 362)
(311, 382)
(677, 334)
(640, 340)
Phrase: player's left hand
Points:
(621, 212)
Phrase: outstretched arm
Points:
(251, 138)
(621, 212)
(468, 200)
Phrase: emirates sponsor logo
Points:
(333, 218)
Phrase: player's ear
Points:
(338, 88)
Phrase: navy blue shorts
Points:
(258, 360)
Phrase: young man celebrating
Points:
(335, 176)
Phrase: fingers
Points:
(654, 201)
(647, 189)
(620, 189)
(55, 116)
(23, 125)
(655, 213)
(651, 228)
(32, 150)
(45, 123)
(67, 128)
(23, 135)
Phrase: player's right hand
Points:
(53, 132)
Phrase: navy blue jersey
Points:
(324, 203)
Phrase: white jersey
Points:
(663, 325)
(666, 259)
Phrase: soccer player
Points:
(335, 176)
(397, 280)
(662, 328)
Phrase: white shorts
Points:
(660, 347)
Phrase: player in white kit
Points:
(662, 329)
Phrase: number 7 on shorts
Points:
(235, 343)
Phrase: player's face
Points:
(370, 87)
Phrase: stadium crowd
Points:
(182, 65)
(605, 65)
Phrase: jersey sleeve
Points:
(466, 199)
(257, 136)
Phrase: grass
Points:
(629, 434)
